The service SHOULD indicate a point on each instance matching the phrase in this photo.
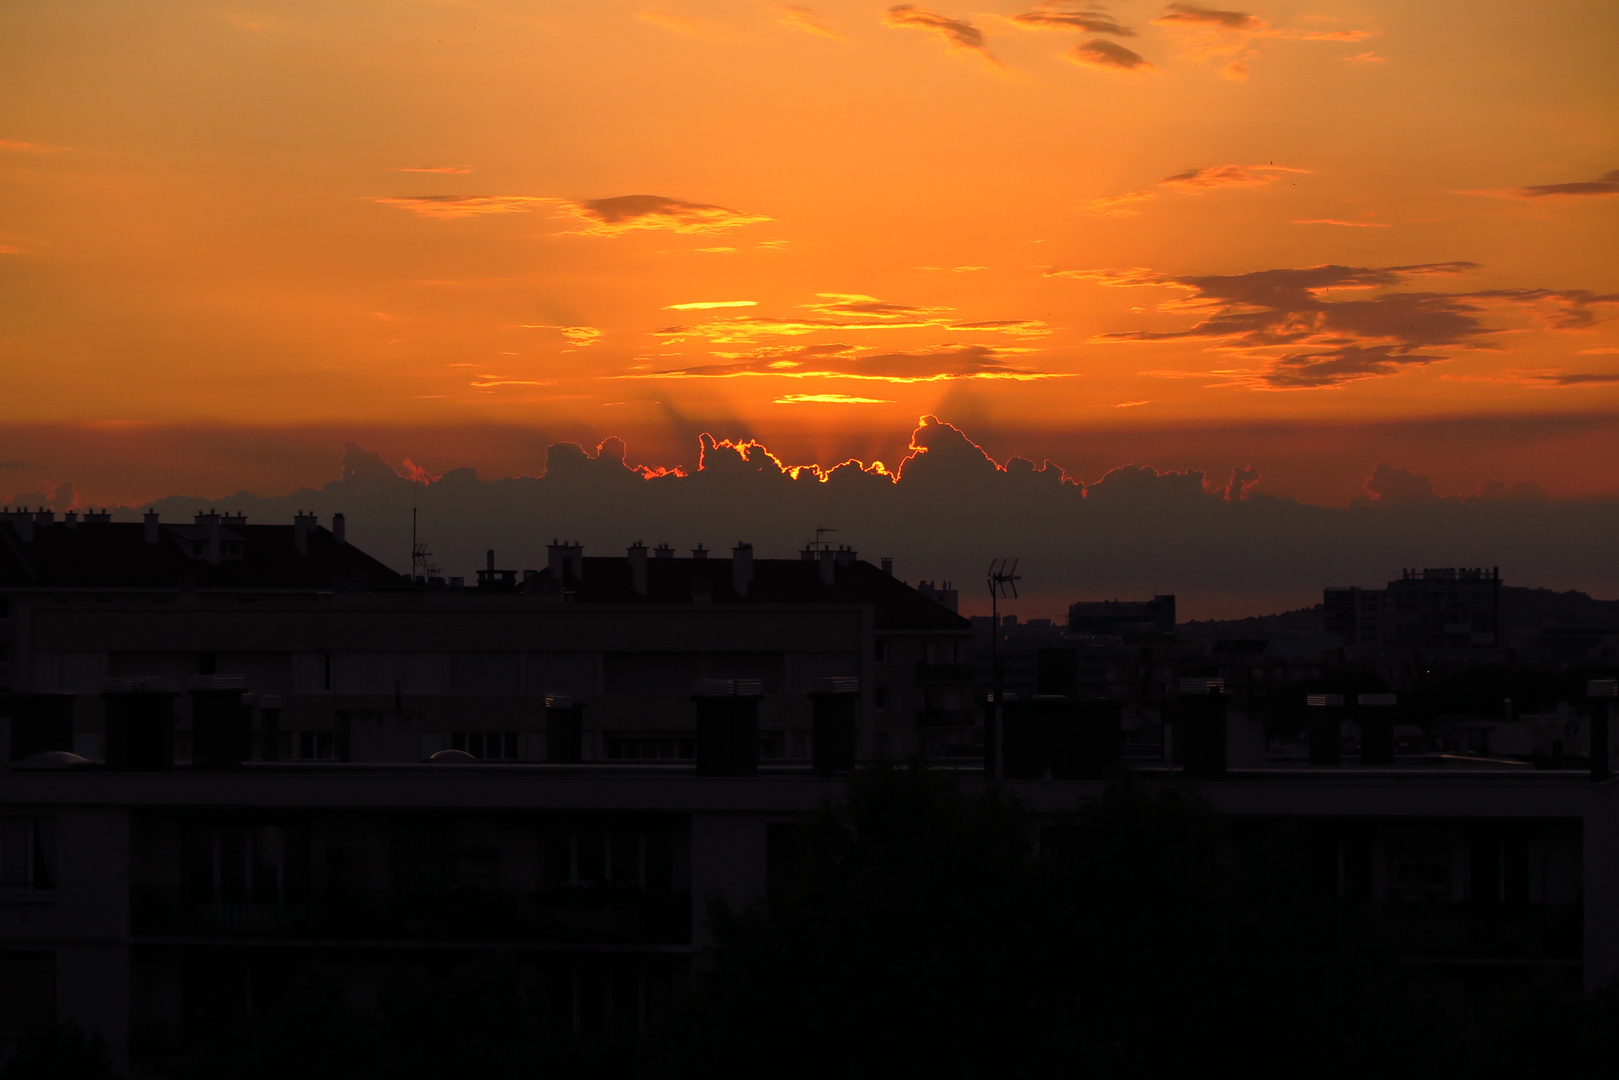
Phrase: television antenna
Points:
(1002, 579)
(820, 544)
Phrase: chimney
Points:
(845, 555)
(302, 525)
(699, 552)
(210, 525)
(637, 558)
(339, 529)
(827, 557)
(807, 555)
(741, 568)
(97, 517)
(489, 562)
(663, 551)
(152, 532)
(72, 519)
(576, 561)
(22, 522)
(556, 559)
(888, 566)
(44, 516)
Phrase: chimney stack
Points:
(302, 525)
(152, 532)
(699, 552)
(339, 529)
(741, 568)
(663, 551)
(845, 555)
(211, 528)
(44, 516)
(576, 561)
(827, 557)
(489, 561)
(637, 557)
(888, 566)
(556, 560)
(71, 518)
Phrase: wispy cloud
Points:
(625, 213)
(843, 313)
(1366, 58)
(686, 25)
(943, 363)
(802, 18)
(1194, 181)
(463, 206)
(16, 146)
(829, 399)
(581, 337)
(1606, 184)
(448, 170)
(959, 36)
(1577, 378)
(1228, 37)
(1345, 224)
(1107, 55)
(704, 305)
(1058, 15)
(1290, 323)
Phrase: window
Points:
(486, 745)
(879, 698)
(881, 653)
(27, 991)
(314, 745)
(27, 852)
(650, 747)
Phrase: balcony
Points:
(946, 718)
(944, 673)
(566, 915)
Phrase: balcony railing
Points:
(586, 915)
(944, 673)
(938, 718)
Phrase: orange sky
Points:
(436, 216)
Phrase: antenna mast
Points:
(1002, 579)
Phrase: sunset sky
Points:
(234, 236)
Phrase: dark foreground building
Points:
(289, 757)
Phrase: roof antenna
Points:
(1003, 579)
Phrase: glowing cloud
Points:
(1228, 37)
(451, 170)
(1284, 320)
(1192, 182)
(704, 305)
(626, 213)
(1054, 15)
(1107, 55)
(947, 362)
(685, 24)
(959, 36)
(802, 18)
(463, 206)
(829, 399)
(1345, 224)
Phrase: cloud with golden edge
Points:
(578, 336)
(704, 305)
(718, 250)
(1345, 224)
(625, 213)
(944, 363)
(830, 399)
(485, 382)
(1193, 181)
(1106, 55)
(802, 18)
(842, 312)
(447, 170)
(464, 206)
(1059, 15)
(1302, 338)
(959, 36)
(1228, 37)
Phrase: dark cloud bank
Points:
(1220, 542)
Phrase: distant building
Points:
(1123, 618)
(1438, 608)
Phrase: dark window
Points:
(881, 653)
(27, 853)
(879, 698)
(27, 990)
